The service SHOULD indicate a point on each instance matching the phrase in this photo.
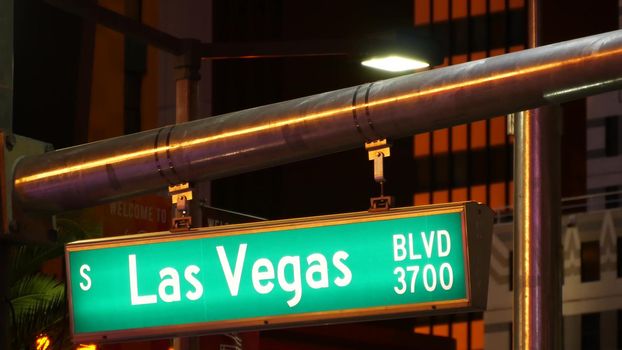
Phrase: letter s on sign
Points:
(85, 286)
(338, 261)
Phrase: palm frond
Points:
(37, 306)
(70, 230)
(37, 300)
(27, 259)
(36, 289)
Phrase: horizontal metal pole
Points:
(115, 21)
(411, 43)
(313, 126)
(407, 43)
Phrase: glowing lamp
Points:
(42, 342)
(395, 63)
(87, 347)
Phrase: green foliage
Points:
(38, 303)
(38, 307)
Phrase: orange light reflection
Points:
(87, 347)
(526, 273)
(309, 117)
(43, 342)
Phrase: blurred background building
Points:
(78, 81)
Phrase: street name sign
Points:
(398, 263)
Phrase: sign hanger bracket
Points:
(180, 196)
(377, 151)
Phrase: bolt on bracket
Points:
(180, 195)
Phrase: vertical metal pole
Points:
(5, 251)
(6, 122)
(537, 238)
(6, 64)
(186, 90)
(186, 102)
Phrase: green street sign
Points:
(359, 266)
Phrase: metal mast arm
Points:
(320, 124)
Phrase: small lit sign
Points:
(402, 262)
(42, 342)
(87, 347)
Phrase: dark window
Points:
(478, 167)
(612, 200)
(619, 321)
(590, 261)
(590, 331)
(619, 258)
(424, 174)
(135, 68)
(612, 136)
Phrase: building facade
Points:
(124, 86)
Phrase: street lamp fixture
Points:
(400, 50)
(395, 63)
(409, 49)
